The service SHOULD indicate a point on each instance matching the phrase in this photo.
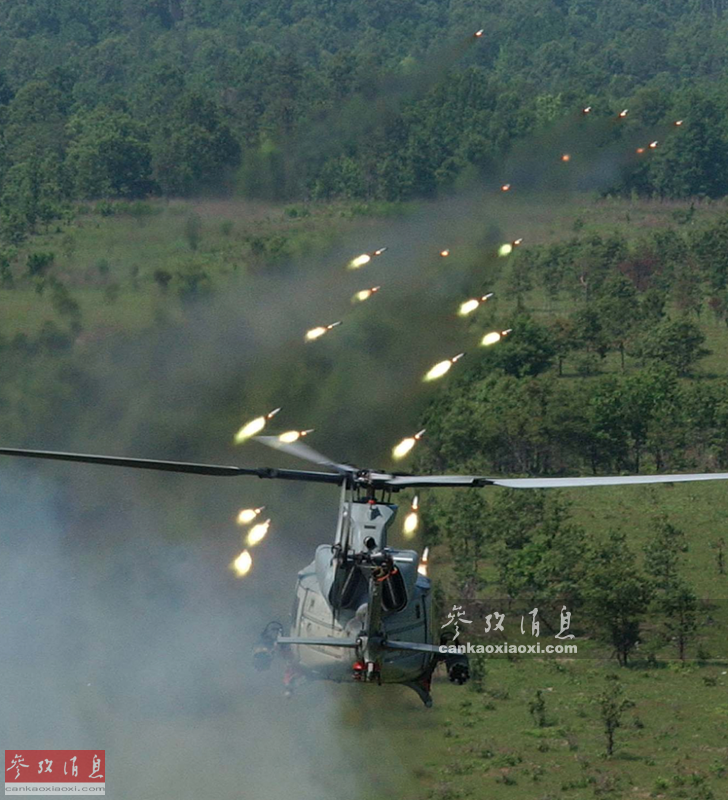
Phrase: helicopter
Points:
(362, 609)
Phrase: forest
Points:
(321, 100)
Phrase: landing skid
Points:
(422, 692)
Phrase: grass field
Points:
(473, 744)
(672, 744)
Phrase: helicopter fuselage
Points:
(313, 618)
(362, 611)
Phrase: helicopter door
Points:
(394, 592)
(353, 588)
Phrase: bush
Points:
(193, 231)
(40, 263)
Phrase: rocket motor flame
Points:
(565, 157)
(293, 436)
(493, 337)
(411, 523)
(479, 33)
(622, 114)
(365, 258)
(422, 568)
(317, 333)
(444, 253)
(247, 515)
(404, 447)
(412, 520)
(254, 427)
(470, 305)
(257, 533)
(365, 294)
(360, 261)
(442, 368)
(242, 564)
(506, 187)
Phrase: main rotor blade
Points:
(303, 451)
(177, 466)
(614, 480)
(405, 481)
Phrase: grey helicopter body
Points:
(362, 609)
(366, 616)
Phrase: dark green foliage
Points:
(162, 278)
(678, 344)
(540, 555)
(662, 553)
(7, 279)
(679, 605)
(193, 231)
(126, 98)
(64, 304)
(537, 709)
(39, 263)
(192, 282)
(530, 350)
(109, 155)
(463, 523)
(612, 705)
(195, 148)
(616, 594)
(693, 164)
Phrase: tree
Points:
(617, 309)
(64, 305)
(612, 705)
(694, 163)
(193, 230)
(719, 546)
(162, 278)
(662, 553)
(109, 155)
(563, 337)
(589, 332)
(520, 282)
(463, 522)
(528, 350)
(537, 709)
(39, 263)
(196, 148)
(709, 246)
(679, 604)
(678, 344)
(541, 555)
(616, 594)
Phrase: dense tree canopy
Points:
(341, 99)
